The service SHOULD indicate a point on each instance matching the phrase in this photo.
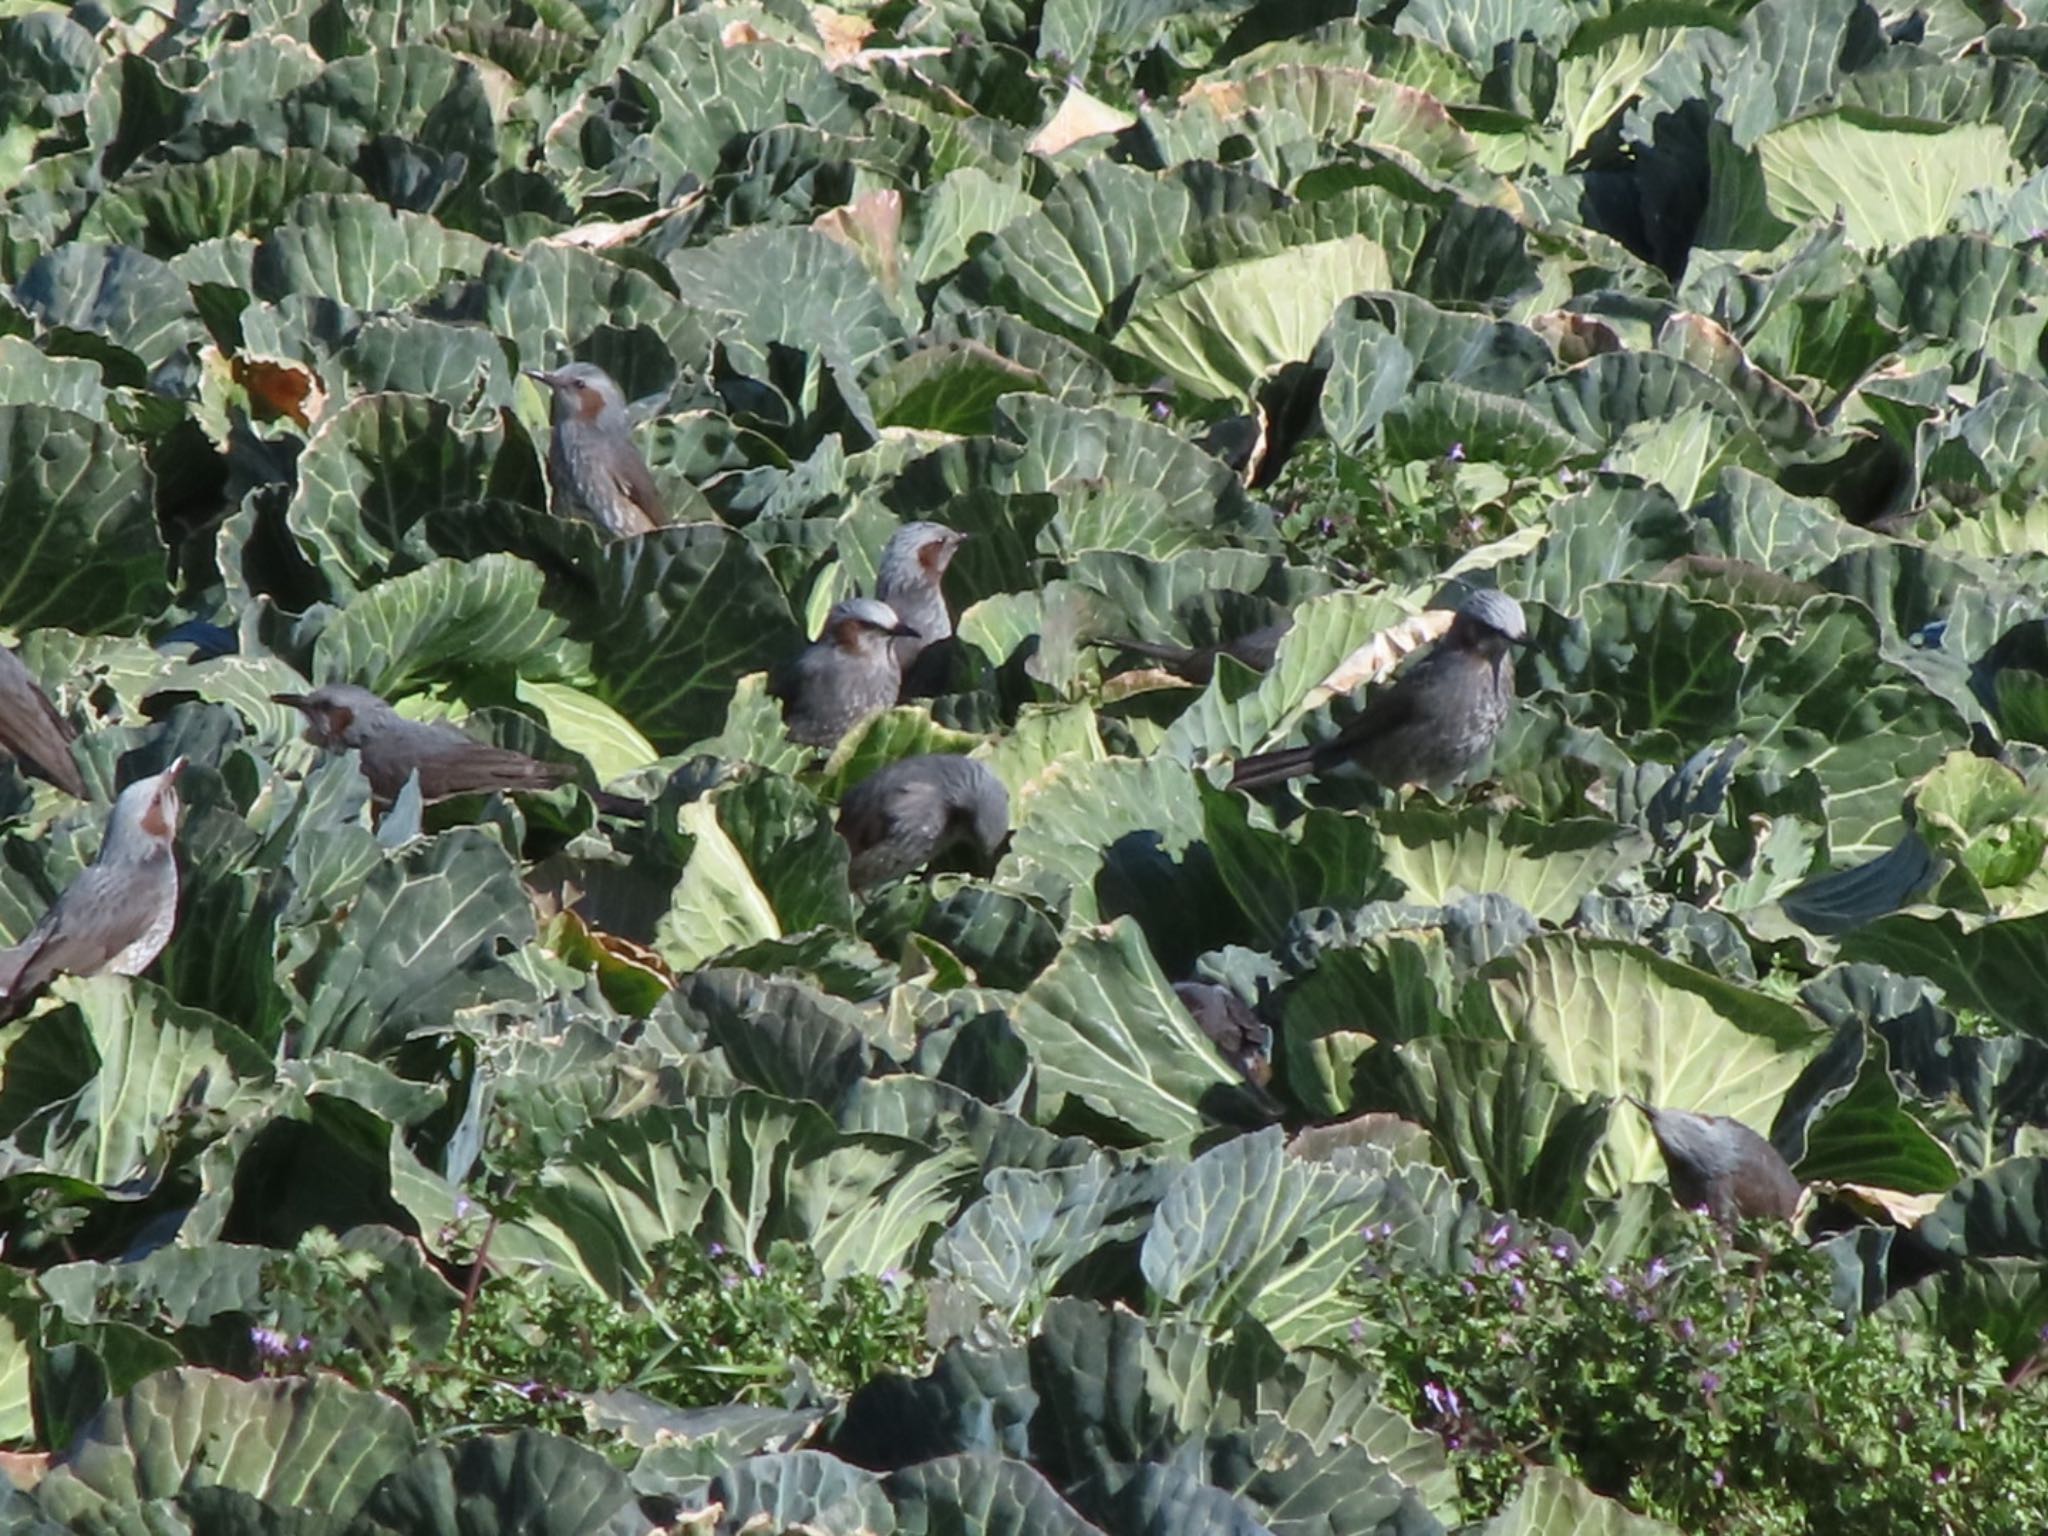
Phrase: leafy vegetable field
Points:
(508, 1164)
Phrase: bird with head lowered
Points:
(901, 817)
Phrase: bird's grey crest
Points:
(581, 376)
(1496, 610)
(145, 815)
(912, 539)
(864, 610)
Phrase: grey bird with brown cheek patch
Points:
(341, 717)
(909, 580)
(848, 673)
(32, 730)
(1197, 664)
(116, 917)
(1435, 724)
(901, 817)
(595, 470)
(1717, 1162)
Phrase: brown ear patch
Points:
(339, 718)
(156, 817)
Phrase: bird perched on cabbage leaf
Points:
(909, 579)
(1435, 724)
(594, 468)
(341, 717)
(917, 809)
(32, 730)
(116, 917)
(848, 673)
(1717, 1162)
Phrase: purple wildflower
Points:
(1710, 1382)
(1443, 1400)
(272, 1345)
(1456, 455)
(1686, 1329)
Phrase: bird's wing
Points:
(12, 959)
(1389, 710)
(786, 677)
(635, 482)
(475, 768)
(33, 731)
(1259, 649)
(863, 818)
(94, 920)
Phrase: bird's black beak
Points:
(295, 700)
(172, 772)
(908, 631)
(540, 376)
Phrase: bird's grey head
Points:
(1705, 1144)
(145, 819)
(582, 392)
(918, 552)
(1498, 612)
(862, 624)
(337, 714)
(979, 800)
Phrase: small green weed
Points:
(1713, 1388)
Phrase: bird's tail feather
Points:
(620, 805)
(1272, 767)
(13, 960)
(1151, 648)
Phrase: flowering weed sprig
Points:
(1712, 1387)
(715, 1326)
